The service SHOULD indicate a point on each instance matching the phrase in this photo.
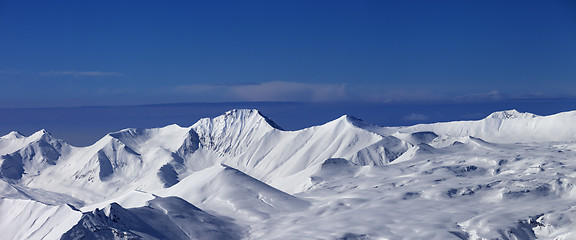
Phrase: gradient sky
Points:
(74, 53)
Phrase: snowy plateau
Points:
(510, 175)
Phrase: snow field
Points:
(240, 176)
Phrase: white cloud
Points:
(271, 91)
(290, 91)
(480, 97)
(377, 93)
(82, 74)
(283, 91)
(415, 117)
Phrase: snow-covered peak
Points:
(348, 120)
(40, 132)
(12, 136)
(511, 114)
(15, 141)
(506, 127)
(246, 116)
(18, 137)
(233, 131)
(260, 181)
(357, 125)
(170, 137)
(358, 122)
(41, 135)
(135, 132)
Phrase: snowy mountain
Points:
(507, 127)
(241, 176)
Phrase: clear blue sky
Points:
(73, 53)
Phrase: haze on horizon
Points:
(70, 53)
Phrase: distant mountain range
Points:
(241, 176)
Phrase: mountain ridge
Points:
(242, 170)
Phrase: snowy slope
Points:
(285, 159)
(161, 218)
(240, 175)
(507, 127)
(234, 193)
(148, 159)
(27, 219)
(29, 154)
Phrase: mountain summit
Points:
(511, 114)
(241, 176)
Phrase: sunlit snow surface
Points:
(240, 176)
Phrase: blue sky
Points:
(77, 53)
